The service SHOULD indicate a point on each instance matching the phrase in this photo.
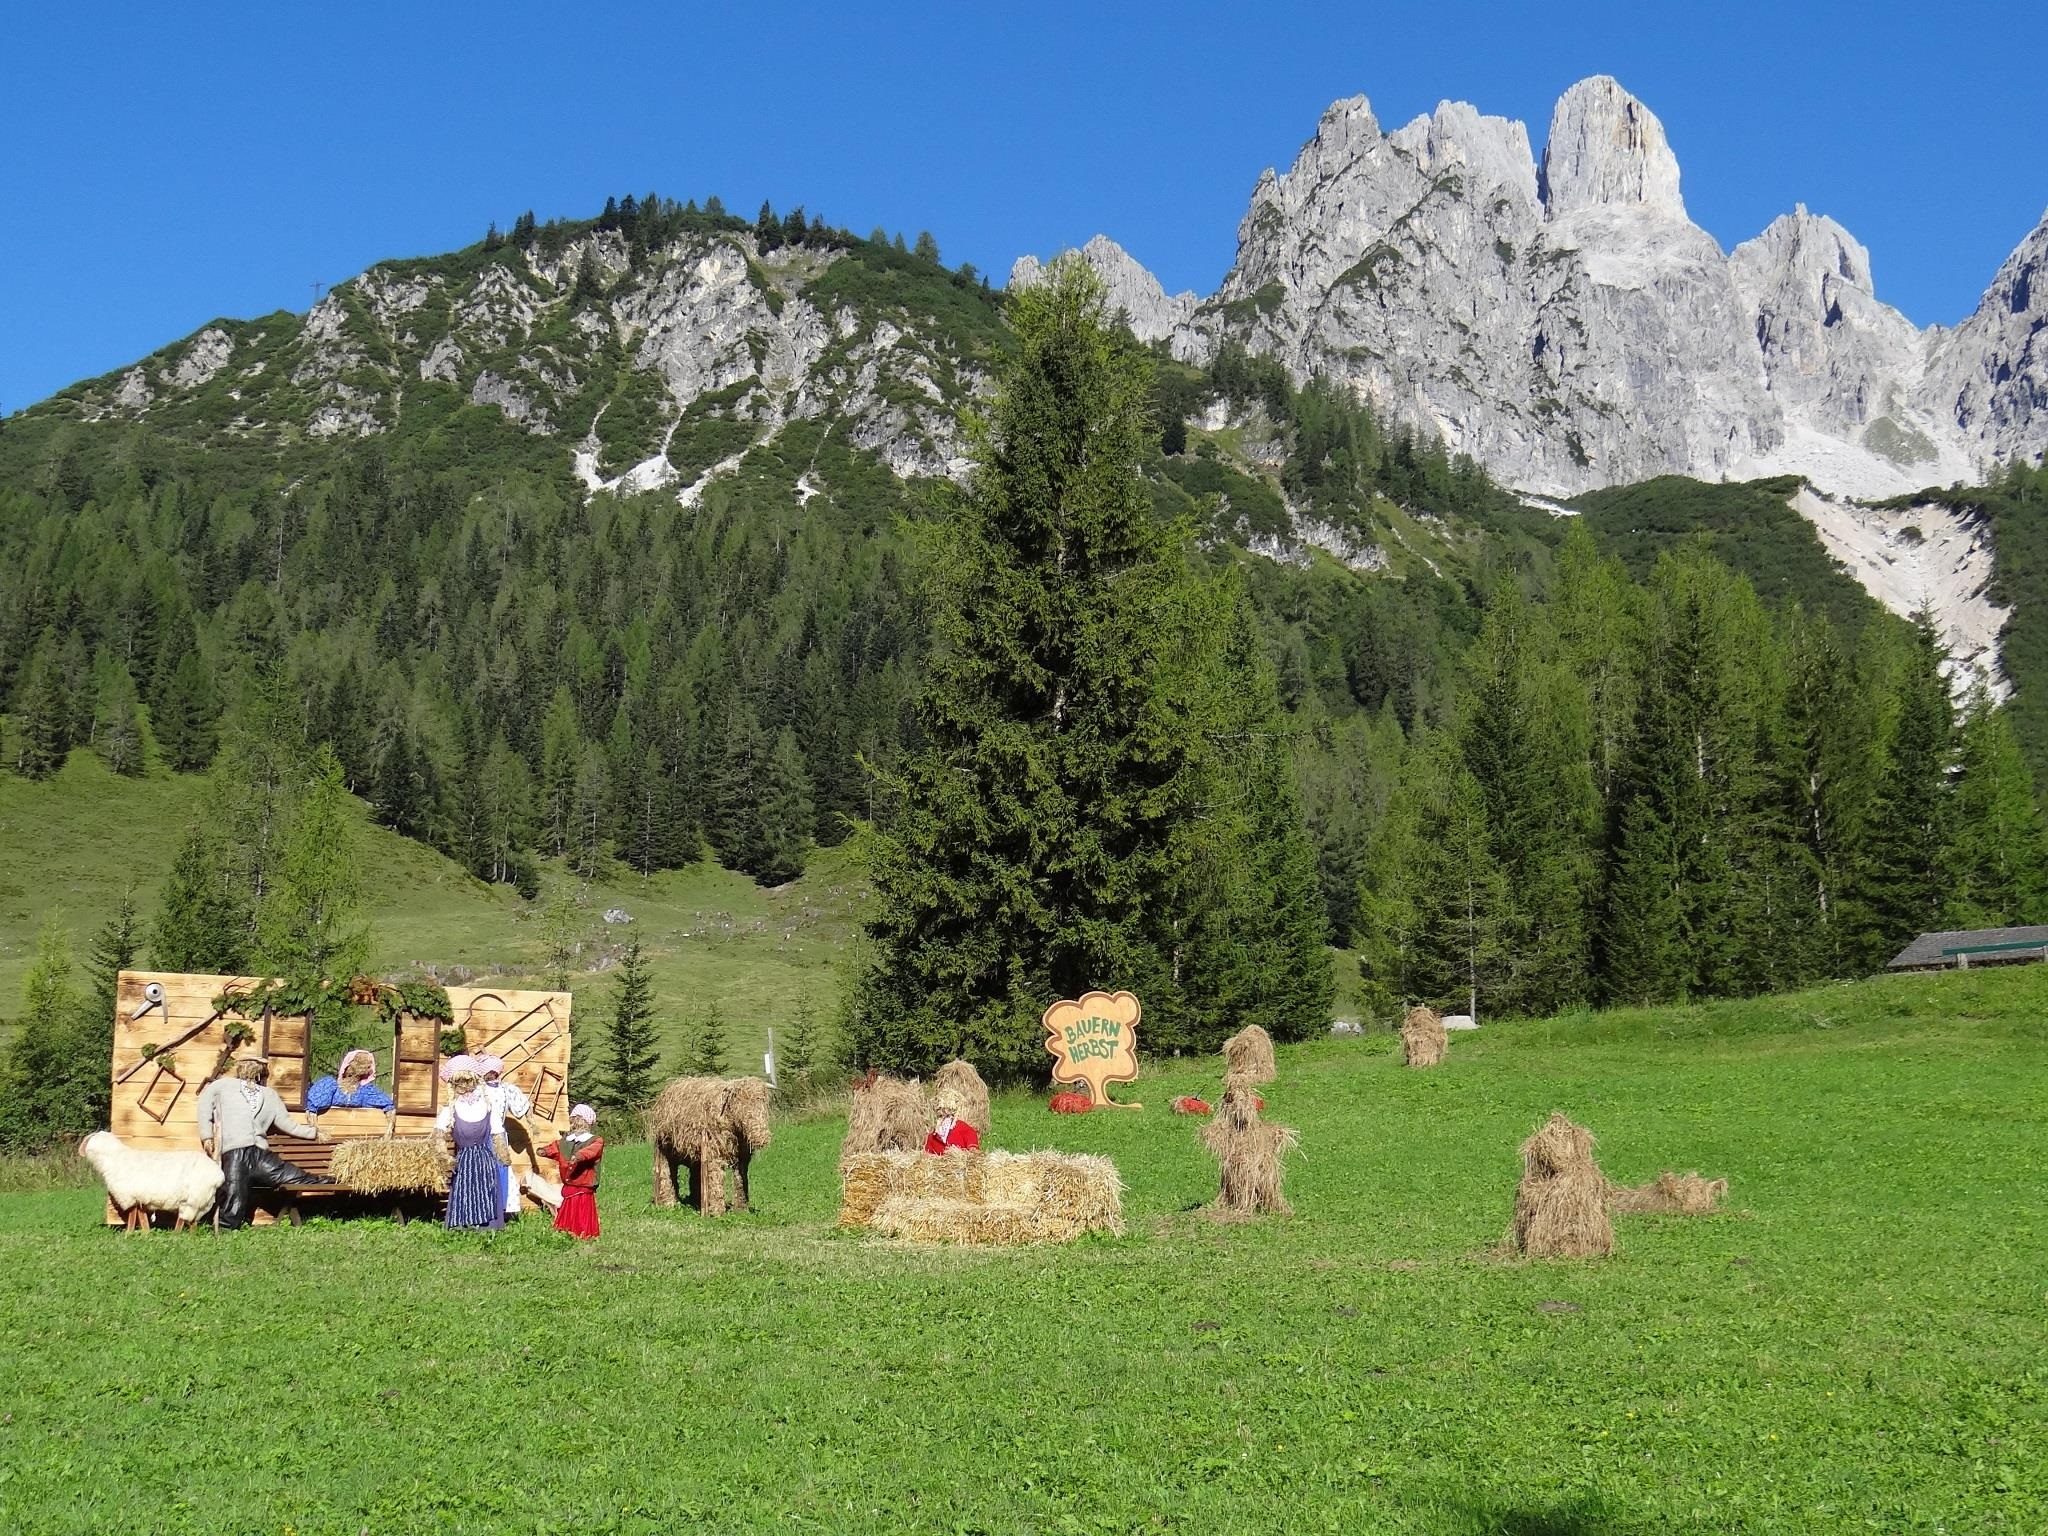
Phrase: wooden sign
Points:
(1094, 1042)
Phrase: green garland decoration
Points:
(422, 999)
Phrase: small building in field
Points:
(1959, 951)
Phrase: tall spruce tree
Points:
(114, 950)
(47, 1077)
(1463, 909)
(1897, 887)
(202, 923)
(310, 925)
(1997, 864)
(1025, 852)
(632, 1052)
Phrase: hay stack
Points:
(1669, 1194)
(981, 1197)
(1561, 1203)
(887, 1114)
(958, 1084)
(405, 1165)
(1423, 1039)
(1249, 1054)
(1250, 1153)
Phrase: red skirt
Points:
(578, 1215)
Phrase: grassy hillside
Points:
(1853, 1345)
(70, 845)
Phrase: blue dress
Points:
(326, 1094)
(473, 1198)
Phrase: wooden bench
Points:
(317, 1157)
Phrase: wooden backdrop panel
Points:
(156, 1099)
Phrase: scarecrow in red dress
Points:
(951, 1130)
(577, 1155)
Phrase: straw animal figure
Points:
(1250, 1153)
(1248, 1054)
(1561, 1203)
(1423, 1038)
(958, 1083)
(887, 1114)
(709, 1125)
(1669, 1194)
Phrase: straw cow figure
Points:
(709, 1125)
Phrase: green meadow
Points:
(1854, 1344)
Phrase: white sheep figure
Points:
(141, 1181)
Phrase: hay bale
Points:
(868, 1180)
(1249, 1054)
(403, 1165)
(1669, 1194)
(887, 1114)
(981, 1197)
(959, 1086)
(1423, 1038)
(1561, 1203)
(1250, 1154)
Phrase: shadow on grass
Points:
(1579, 1519)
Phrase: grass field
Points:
(1855, 1345)
(71, 845)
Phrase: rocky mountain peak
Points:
(1154, 314)
(1607, 149)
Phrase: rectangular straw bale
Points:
(373, 1165)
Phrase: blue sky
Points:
(163, 165)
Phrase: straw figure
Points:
(959, 1083)
(707, 1124)
(887, 1114)
(1250, 1153)
(1248, 1054)
(1423, 1039)
(1561, 1203)
(980, 1197)
(1669, 1194)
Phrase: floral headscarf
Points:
(454, 1066)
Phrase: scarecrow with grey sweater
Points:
(237, 1113)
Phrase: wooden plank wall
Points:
(155, 1101)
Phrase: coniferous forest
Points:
(1500, 759)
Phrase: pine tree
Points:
(707, 1043)
(47, 1072)
(767, 229)
(184, 722)
(45, 720)
(117, 718)
(785, 815)
(801, 1053)
(1896, 889)
(1027, 846)
(201, 924)
(309, 925)
(926, 248)
(1997, 862)
(114, 950)
(1642, 959)
(1525, 739)
(632, 1052)
(561, 762)
(1462, 907)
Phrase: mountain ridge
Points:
(1566, 323)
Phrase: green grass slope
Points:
(1854, 1345)
(69, 846)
